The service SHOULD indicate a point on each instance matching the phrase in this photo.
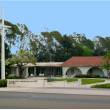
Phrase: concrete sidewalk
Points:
(82, 91)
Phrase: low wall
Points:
(40, 83)
(24, 83)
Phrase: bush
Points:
(13, 77)
(55, 79)
(50, 79)
(88, 76)
(3, 83)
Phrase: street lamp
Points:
(3, 45)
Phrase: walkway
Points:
(82, 91)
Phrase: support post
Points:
(35, 71)
(17, 72)
(26, 72)
(2, 50)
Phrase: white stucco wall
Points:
(105, 72)
(64, 70)
(84, 70)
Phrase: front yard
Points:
(62, 79)
(84, 81)
(65, 82)
(91, 81)
(107, 86)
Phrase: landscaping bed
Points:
(91, 81)
(102, 86)
(62, 79)
(71, 79)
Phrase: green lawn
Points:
(62, 79)
(102, 86)
(91, 81)
(71, 79)
(55, 79)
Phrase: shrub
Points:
(3, 83)
(50, 79)
(13, 77)
(55, 79)
(88, 76)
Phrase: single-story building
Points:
(80, 65)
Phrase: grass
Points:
(71, 79)
(102, 86)
(62, 79)
(91, 81)
(55, 79)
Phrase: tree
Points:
(21, 58)
(106, 63)
(53, 46)
(102, 45)
(11, 32)
(87, 51)
(22, 39)
(82, 40)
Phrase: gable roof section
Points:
(83, 61)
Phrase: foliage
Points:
(11, 32)
(91, 81)
(62, 79)
(106, 63)
(55, 79)
(53, 46)
(87, 51)
(71, 79)
(3, 83)
(88, 76)
(107, 86)
(21, 59)
(13, 77)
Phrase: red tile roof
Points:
(84, 61)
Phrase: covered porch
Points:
(40, 69)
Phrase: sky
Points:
(89, 17)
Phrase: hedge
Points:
(3, 83)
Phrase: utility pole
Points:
(3, 44)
